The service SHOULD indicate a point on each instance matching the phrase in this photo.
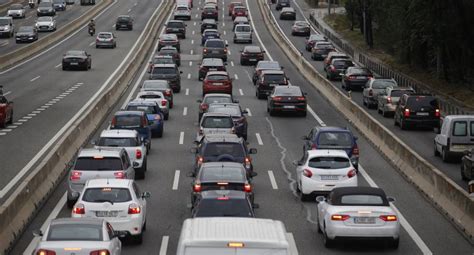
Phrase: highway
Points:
(425, 230)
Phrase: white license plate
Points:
(329, 177)
(218, 83)
(360, 77)
(212, 69)
(422, 113)
(364, 220)
(74, 64)
(289, 106)
(253, 59)
(215, 51)
(106, 213)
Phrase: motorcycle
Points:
(91, 31)
(31, 3)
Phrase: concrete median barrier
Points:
(31, 193)
(445, 194)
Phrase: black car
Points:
(87, 2)
(169, 40)
(282, 3)
(337, 67)
(177, 27)
(238, 115)
(288, 13)
(45, 9)
(211, 64)
(286, 99)
(251, 55)
(417, 110)
(167, 72)
(210, 12)
(320, 50)
(77, 59)
(264, 65)
(59, 5)
(223, 203)
(221, 176)
(224, 148)
(267, 80)
(467, 165)
(208, 24)
(355, 77)
(161, 86)
(26, 34)
(124, 22)
(170, 51)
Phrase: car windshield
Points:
(75, 232)
(342, 63)
(415, 103)
(217, 77)
(98, 164)
(148, 109)
(324, 46)
(362, 200)
(163, 61)
(215, 44)
(381, 84)
(399, 93)
(343, 139)
(112, 195)
(4, 22)
(209, 8)
(359, 71)
(231, 110)
(217, 122)
(58, 1)
(150, 85)
(301, 24)
(118, 142)
(275, 78)
(175, 25)
(168, 51)
(223, 208)
(164, 70)
(217, 149)
(40, 19)
(217, 99)
(242, 29)
(288, 92)
(75, 53)
(127, 121)
(329, 162)
(104, 35)
(25, 29)
(216, 174)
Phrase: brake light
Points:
(119, 175)
(138, 154)
(371, 93)
(437, 113)
(406, 113)
(388, 217)
(75, 175)
(79, 209)
(157, 117)
(355, 150)
(248, 161)
(307, 173)
(114, 122)
(205, 50)
(168, 92)
(277, 98)
(134, 209)
(389, 100)
(201, 132)
(351, 173)
(45, 252)
(301, 98)
(197, 187)
(339, 217)
(248, 188)
(164, 102)
(223, 198)
(314, 146)
(100, 252)
(204, 106)
(199, 160)
(225, 50)
(352, 77)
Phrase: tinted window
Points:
(44, 4)
(105, 36)
(242, 29)
(25, 29)
(214, 99)
(211, 33)
(329, 162)
(275, 78)
(216, 174)
(148, 109)
(472, 128)
(342, 63)
(381, 84)
(223, 208)
(269, 65)
(100, 195)
(217, 77)
(163, 61)
(123, 19)
(145, 96)
(359, 71)
(234, 111)
(460, 128)
(399, 93)
(417, 102)
(335, 139)
(288, 92)
(362, 200)
(128, 121)
(175, 24)
(155, 85)
(99, 164)
(118, 142)
(217, 149)
(215, 44)
(164, 70)
(4, 22)
(217, 122)
(75, 232)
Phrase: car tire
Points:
(445, 154)
(64, 68)
(10, 121)
(317, 224)
(97, 46)
(393, 244)
(463, 176)
(306, 197)
(139, 175)
(328, 243)
(435, 151)
(167, 116)
(271, 112)
(303, 114)
(70, 203)
(384, 113)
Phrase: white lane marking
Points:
(92, 43)
(185, 111)
(190, 63)
(196, 15)
(272, 179)
(129, 10)
(176, 180)
(23, 119)
(18, 123)
(258, 35)
(2, 134)
(241, 92)
(34, 79)
(191, 52)
(181, 137)
(113, 26)
(36, 112)
(192, 41)
(248, 76)
(249, 113)
(135, 4)
(164, 245)
(187, 92)
(292, 243)
(236, 76)
(193, 32)
(6, 130)
(259, 139)
(189, 76)
(232, 63)
(12, 127)
(228, 51)
(53, 215)
(226, 42)
(31, 114)
(224, 32)
(7, 93)
(58, 65)
(318, 119)
(223, 24)
(66, 127)
(194, 24)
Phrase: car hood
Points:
(85, 246)
(24, 33)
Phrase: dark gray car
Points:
(215, 48)
(45, 9)
(167, 72)
(26, 34)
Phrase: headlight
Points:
(6, 29)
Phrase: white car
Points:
(215, 123)
(357, 213)
(79, 236)
(16, 11)
(118, 201)
(182, 12)
(319, 171)
(45, 24)
(159, 98)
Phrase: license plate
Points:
(422, 113)
(329, 177)
(175, 29)
(360, 77)
(253, 59)
(106, 213)
(74, 64)
(212, 69)
(218, 83)
(289, 106)
(364, 220)
(215, 51)
(123, 25)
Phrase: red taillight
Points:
(437, 113)
(388, 217)
(314, 146)
(119, 175)
(351, 173)
(79, 209)
(223, 198)
(333, 68)
(100, 252)
(199, 160)
(143, 121)
(339, 217)
(389, 100)
(138, 154)
(75, 175)
(205, 50)
(371, 93)
(406, 113)
(197, 187)
(352, 77)
(307, 173)
(204, 106)
(134, 209)
(45, 252)
(114, 122)
(225, 50)
(248, 188)
(164, 102)
(277, 98)
(355, 150)
(301, 98)
(168, 92)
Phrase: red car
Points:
(217, 82)
(239, 11)
(232, 5)
(6, 111)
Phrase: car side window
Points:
(136, 190)
(460, 128)
(126, 163)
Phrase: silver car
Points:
(182, 12)
(16, 11)
(243, 33)
(105, 39)
(45, 24)
(388, 99)
(373, 88)
(215, 123)
(79, 236)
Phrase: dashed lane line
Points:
(249, 113)
(164, 245)
(272, 179)
(181, 138)
(176, 180)
(185, 111)
(259, 139)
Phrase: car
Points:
(160, 60)
(45, 24)
(91, 163)
(240, 20)
(167, 72)
(238, 115)
(357, 213)
(267, 80)
(26, 34)
(215, 48)
(133, 120)
(319, 171)
(208, 24)
(6, 111)
(45, 9)
(217, 82)
(162, 86)
(59, 5)
(182, 12)
(87, 2)
(232, 5)
(177, 27)
(312, 40)
(210, 12)
(373, 88)
(301, 28)
(153, 112)
(89, 235)
(124, 22)
(388, 100)
(223, 148)
(288, 13)
(130, 141)
(251, 55)
(455, 137)
(320, 50)
(213, 99)
(215, 123)
(332, 55)
(171, 51)
(169, 40)
(105, 39)
(210, 34)
(265, 65)
(333, 138)
(280, 4)
(467, 165)
(159, 98)
(242, 33)
(223, 203)
(239, 11)
(355, 77)
(211, 2)
(188, 3)
(337, 68)
(210, 64)
(76, 59)
(7, 28)
(221, 176)
(120, 202)
(16, 11)
(285, 99)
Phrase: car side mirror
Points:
(146, 194)
(193, 150)
(38, 233)
(320, 199)
(391, 199)
(467, 153)
(199, 101)
(93, 142)
(253, 174)
(255, 206)
(253, 151)
(236, 101)
(135, 164)
(304, 137)
(120, 234)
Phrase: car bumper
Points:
(45, 29)
(104, 44)
(3, 33)
(389, 108)
(311, 186)
(78, 66)
(301, 32)
(125, 26)
(423, 122)
(207, 16)
(243, 38)
(182, 16)
(218, 89)
(215, 55)
(340, 230)
(289, 107)
(15, 15)
(356, 84)
(25, 39)
(74, 190)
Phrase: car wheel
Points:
(64, 68)
(463, 175)
(11, 119)
(384, 113)
(70, 203)
(403, 125)
(303, 114)
(394, 243)
(435, 150)
(445, 155)
(328, 243)
(167, 116)
(271, 112)
(97, 46)
(144, 226)
(144, 166)
(138, 239)
(306, 197)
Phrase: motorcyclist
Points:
(92, 25)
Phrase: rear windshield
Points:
(399, 93)
(275, 78)
(118, 142)
(288, 92)
(217, 122)
(343, 139)
(359, 71)
(211, 33)
(75, 232)
(362, 200)
(175, 24)
(164, 70)
(381, 84)
(234, 111)
(150, 96)
(112, 195)
(217, 77)
(215, 44)
(163, 61)
(217, 149)
(342, 63)
(148, 109)
(211, 100)
(4, 22)
(128, 121)
(182, 8)
(224, 208)
(216, 174)
(98, 164)
(417, 102)
(242, 28)
(268, 65)
(123, 19)
(329, 162)
(105, 36)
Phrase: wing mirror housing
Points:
(320, 199)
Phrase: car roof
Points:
(124, 112)
(252, 48)
(119, 133)
(241, 18)
(214, 39)
(217, 73)
(141, 101)
(91, 152)
(338, 193)
(231, 194)
(272, 71)
(169, 48)
(175, 21)
(114, 183)
(222, 164)
(288, 9)
(330, 153)
(164, 65)
(149, 92)
(163, 56)
(213, 21)
(78, 221)
(230, 138)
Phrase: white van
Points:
(455, 137)
(234, 236)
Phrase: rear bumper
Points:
(315, 187)
(424, 122)
(340, 230)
